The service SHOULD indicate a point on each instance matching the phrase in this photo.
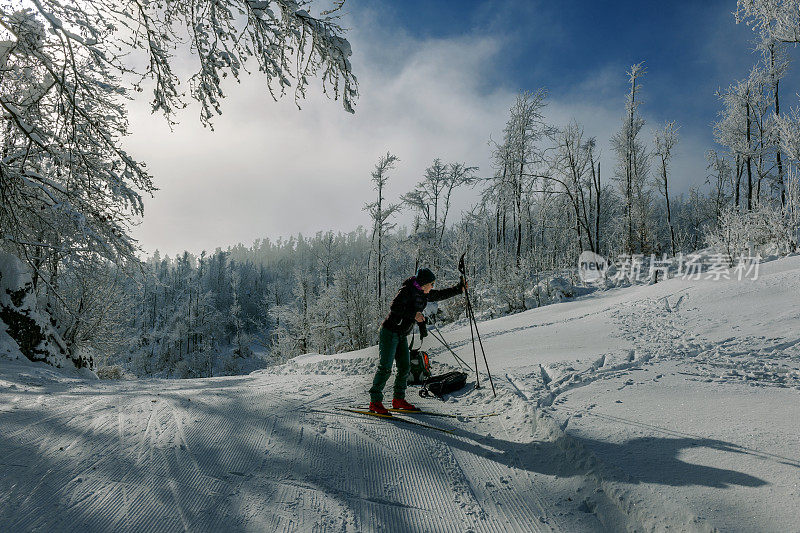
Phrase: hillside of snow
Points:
(673, 406)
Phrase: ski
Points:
(394, 419)
(430, 413)
(434, 413)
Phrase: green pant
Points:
(391, 346)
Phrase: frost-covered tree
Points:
(238, 319)
(67, 184)
(596, 191)
(352, 293)
(777, 62)
(745, 127)
(776, 20)
(573, 166)
(381, 213)
(519, 162)
(633, 164)
(664, 142)
(776, 24)
(720, 178)
(69, 191)
(430, 200)
(523, 152)
(327, 249)
(95, 320)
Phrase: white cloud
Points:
(270, 169)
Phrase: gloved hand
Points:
(423, 329)
(463, 284)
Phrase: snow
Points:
(17, 298)
(13, 274)
(723, 450)
(8, 347)
(673, 406)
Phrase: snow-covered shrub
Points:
(454, 308)
(511, 286)
(284, 346)
(93, 312)
(230, 367)
(243, 350)
(765, 230)
(25, 323)
(495, 301)
(9, 348)
(110, 372)
(196, 364)
(184, 370)
(557, 288)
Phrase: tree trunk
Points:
(597, 212)
(671, 228)
(778, 155)
(739, 172)
(749, 163)
(629, 177)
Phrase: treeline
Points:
(69, 193)
(545, 200)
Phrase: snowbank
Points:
(29, 328)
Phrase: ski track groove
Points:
(209, 465)
(117, 490)
(519, 501)
(419, 465)
(36, 425)
(58, 473)
(518, 511)
(417, 471)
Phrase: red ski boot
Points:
(398, 403)
(378, 408)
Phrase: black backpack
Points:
(444, 384)
(420, 367)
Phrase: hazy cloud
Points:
(272, 170)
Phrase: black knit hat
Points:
(424, 275)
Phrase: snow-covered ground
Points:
(673, 407)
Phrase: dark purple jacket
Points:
(411, 299)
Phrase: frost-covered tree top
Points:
(68, 189)
(665, 140)
(289, 45)
(774, 20)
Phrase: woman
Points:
(406, 309)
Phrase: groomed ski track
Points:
(257, 453)
(614, 415)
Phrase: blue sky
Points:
(579, 50)
(437, 79)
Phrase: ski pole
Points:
(440, 337)
(471, 318)
(485, 362)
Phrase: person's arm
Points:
(401, 305)
(455, 290)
